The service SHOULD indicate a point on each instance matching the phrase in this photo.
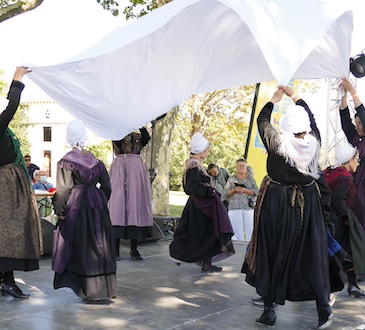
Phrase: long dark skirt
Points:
(291, 255)
(352, 239)
(83, 252)
(20, 230)
(199, 236)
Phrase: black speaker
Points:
(357, 65)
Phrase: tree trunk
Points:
(160, 161)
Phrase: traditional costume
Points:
(20, 228)
(204, 231)
(83, 249)
(287, 257)
(130, 204)
(347, 228)
(358, 206)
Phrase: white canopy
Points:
(147, 67)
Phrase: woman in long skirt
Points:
(83, 251)
(20, 228)
(287, 257)
(204, 232)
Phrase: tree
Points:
(102, 151)
(223, 118)
(12, 8)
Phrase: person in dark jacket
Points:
(356, 136)
(20, 229)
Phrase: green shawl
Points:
(19, 159)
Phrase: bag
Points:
(251, 201)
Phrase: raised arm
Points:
(14, 93)
(266, 130)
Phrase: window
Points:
(47, 134)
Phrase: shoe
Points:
(13, 290)
(258, 301)
(355, 291)
(360, 278)
(268, 317)
(333, 297)
(325, 318)
(211, 268)
(135, 255)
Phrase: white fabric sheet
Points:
(144, 69)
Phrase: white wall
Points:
(47, 114)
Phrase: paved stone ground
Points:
(157, 294)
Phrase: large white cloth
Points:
(144, 69)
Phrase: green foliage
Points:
(110, 5)
(102, 151)
(134, 9)
(223, 118)
(20, 122)
(176, 210)
(19, 125)
(3, 85)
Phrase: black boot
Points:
(268, 317)
(325, 316)
(134, 252)
(117, 246)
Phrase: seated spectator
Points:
(220, 177)
(40, 181)
(31, 167)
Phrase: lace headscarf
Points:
(301, 153)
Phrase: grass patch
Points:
(176, 210)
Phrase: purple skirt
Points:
(130, 204)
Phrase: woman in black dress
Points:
(83, 249)
(20, 236)
(348, 231)
(204, 232)
(287, 257)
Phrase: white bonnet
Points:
(76, 133)
(296, 120)
(343, 153)
(198, 143)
